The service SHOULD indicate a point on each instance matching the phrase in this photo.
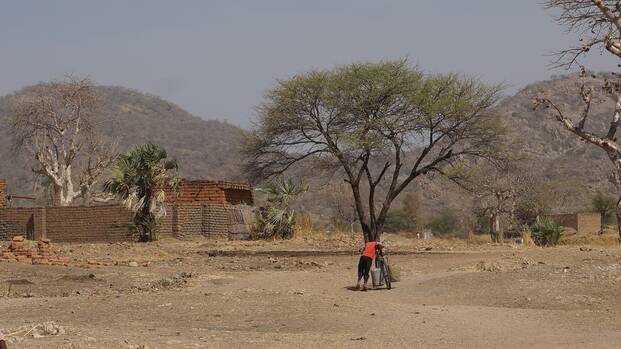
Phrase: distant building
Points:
(424, 234)
(581, 222)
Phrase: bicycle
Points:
(381, 263)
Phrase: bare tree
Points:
(496, 191)
(339, 201)
(54, 122)
(598, 23)
(389, 114)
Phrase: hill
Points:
(210, 149)
(573, 170)
(204, 148)
(554, 152)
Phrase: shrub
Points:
(277, 219)
(445, 222)
(546, 232)
(483, 224)
(604, 204)
(399, 220)
(528, 209)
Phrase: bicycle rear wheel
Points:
(386, 274)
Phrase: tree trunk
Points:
(377, 232)
(57, 193)
(618, 212)
(501, 231)
(368, 235)
(494, 228)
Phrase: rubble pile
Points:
(32, 252)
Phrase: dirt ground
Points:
(220, 294)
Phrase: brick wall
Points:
(582, 223)
(566, 220)
(20, 221)
(589, 222)
(67, 224)
(213, 220)
(88, 224)
(239, 196)
(3, 193)
(202, 192)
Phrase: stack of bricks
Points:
(31, 252)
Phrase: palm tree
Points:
(139, 178)
(278, 219)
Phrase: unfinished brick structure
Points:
(203, 192)
(3, 193)
(581, 222)
(209, 208)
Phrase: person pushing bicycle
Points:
(368, 253)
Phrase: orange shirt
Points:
(369, 249)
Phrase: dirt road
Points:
(191, 298)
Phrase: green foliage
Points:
(411, 206)
(528, 209)
(604, 204)
(399, 220)
(483, 224)
(356, 116)
(277, 219)
(546, 232)
(445, 222)
(139, 178)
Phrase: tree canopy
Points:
(381, 124)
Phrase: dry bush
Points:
(609, 238)
(527, 240)
(307, 229)
(479, 239)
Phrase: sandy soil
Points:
(213, 294)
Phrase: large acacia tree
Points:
(381, 124)
(598, 25)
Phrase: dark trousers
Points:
(364, 267)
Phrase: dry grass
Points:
(306, 229)
(609, 238)
(479, 239)
(527, 240)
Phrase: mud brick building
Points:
(204, 192)
(581, 222)
(208, 208)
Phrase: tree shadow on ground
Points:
(354, 288)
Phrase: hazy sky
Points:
(217, 58)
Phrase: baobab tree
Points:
(598, 25)
(381, 124)
(54, 123)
